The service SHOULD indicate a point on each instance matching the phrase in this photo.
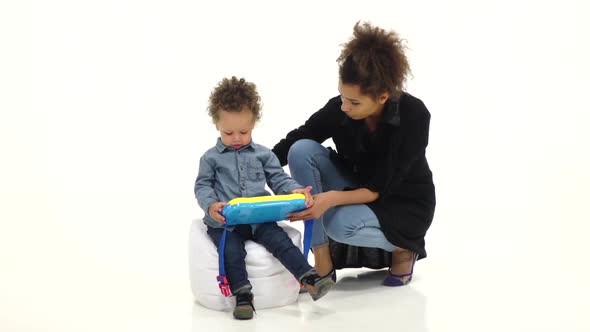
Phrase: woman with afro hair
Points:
(374, 194)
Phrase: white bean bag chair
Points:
(272, 284)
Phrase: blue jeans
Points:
(272, 237)
(356, 224)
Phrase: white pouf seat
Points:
(272, 284)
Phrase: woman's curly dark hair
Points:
(375, 60)
(233, 95)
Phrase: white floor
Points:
(479, 289)
(441, 298)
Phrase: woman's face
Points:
(358, 106)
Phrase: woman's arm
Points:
(357, 196)
(323, 201)
(319, 127)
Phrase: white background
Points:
(103, 120)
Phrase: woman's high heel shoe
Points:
(395, 280)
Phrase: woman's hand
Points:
(215, 211)
(307, 192)
(321, 203)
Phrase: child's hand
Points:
(307, 192)
(215, 211)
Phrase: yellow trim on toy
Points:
(261, 199)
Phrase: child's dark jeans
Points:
(271, 236)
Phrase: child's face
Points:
(235, 128)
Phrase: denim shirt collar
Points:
(222, 147)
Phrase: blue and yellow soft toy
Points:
(261, 209)
(257, 210)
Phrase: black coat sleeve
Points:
(319, 127)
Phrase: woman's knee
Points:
(335, 232)
(342, 223)
(334, 226)
(302, 149)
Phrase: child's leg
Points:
(235, 255)
(277, 242)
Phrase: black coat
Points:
(391, 161)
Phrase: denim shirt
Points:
(226, 173)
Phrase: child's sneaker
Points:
(317, 286)
(302, 289)
(332, 274)
(244, 308)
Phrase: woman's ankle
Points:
(402, 261)
(323, 260)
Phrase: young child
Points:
(237, 167)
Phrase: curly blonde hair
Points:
(233, 95)
(375, 60)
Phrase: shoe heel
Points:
(396, 280)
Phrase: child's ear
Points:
(216, 127)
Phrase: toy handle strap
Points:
(307, 232)
(221, 278)
(221, 252)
